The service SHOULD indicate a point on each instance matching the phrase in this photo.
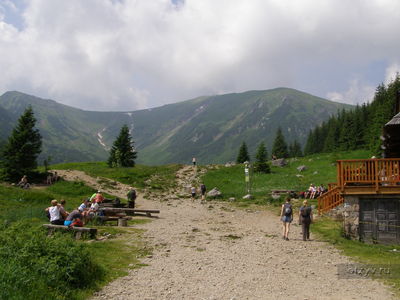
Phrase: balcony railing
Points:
(368, 172)
(361, 176)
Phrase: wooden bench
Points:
(121, 220)
(78, 230)
(110, 211)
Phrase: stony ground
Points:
(216, 251)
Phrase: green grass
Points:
(320, 169)
(113, 256)
(153, 177)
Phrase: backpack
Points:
(77, 223)
(305, 212)
(288, 210)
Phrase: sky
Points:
(125, 55)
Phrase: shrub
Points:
(35, 266)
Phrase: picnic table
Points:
(112, 211)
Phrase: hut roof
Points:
(394, 121)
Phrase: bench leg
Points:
(78, 235)
(148, 214)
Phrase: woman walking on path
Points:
(286, 217)
(305, 219)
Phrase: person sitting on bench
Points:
(54, 213)
(97, 197)
(23, 183)
(74, 217)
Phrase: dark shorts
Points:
(193, 195)
(286, 219)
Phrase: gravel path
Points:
(216, 251)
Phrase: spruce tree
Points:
(295, 149)
(122, 153)
(261, 165)
(279, 148)
(243, 154)
(22, 148)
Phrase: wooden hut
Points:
(391, 136)
(369, 190)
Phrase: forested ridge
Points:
(359, 128)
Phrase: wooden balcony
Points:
(368, 176)
(361, 177)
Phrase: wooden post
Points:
(122, 222)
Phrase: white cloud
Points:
(391, 72)
(355, 94)
(125, 55)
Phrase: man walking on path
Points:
(194, 161)
(131, 197)
(286, 217)
(203, 191)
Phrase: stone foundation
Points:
(351, 213)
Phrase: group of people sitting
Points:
(313, 192)
(88, 209)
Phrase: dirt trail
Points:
(215, 251)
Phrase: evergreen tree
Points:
(295, 149)
(261, 165)
(243, 154)
(22, 148)
(279, 148)
(122, 153)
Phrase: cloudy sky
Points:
(133, 54)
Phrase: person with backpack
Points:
(305, 219)
(131, 197)
(286, 217)
(203, 190)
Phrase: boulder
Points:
(214, 193)
(248, 197)
(301, 168)
(232, 199)
(280, 162)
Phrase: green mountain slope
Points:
(69, 134)
(212, 128)
(209, 128)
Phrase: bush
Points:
(34, 266)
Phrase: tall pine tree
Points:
(261, 165)
(279, 148)
(243, 154)
(122, 153)
(295, 149)
(22, 148)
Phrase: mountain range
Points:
(210, 128)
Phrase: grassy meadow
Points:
(34, 266)
(320, 168)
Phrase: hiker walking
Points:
(193, 192)
(286, 217)
(131, 197)
(305, 219)
(203, 191)
(194, 161)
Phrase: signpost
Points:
(247, 176)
